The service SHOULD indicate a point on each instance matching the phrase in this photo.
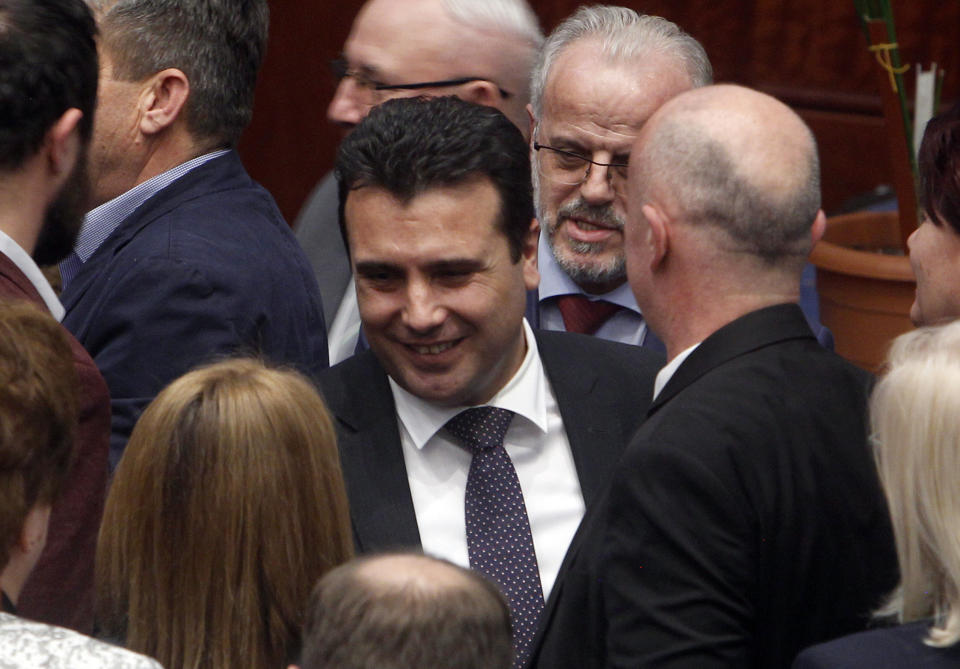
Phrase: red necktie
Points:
(583, 315)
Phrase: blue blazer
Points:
(899, 647)
(205, 269)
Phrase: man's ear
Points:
(819, 226)
(163, 99)
(658, 234)
(533, 122)
(63, 142)
(528, 256)
(483, 93)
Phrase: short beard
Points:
(64, 217)
(577, 262)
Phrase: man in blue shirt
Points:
(184, 259)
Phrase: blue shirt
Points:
(626, 326)
(99, 223)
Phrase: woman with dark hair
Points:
(935, 245)
(226, 507)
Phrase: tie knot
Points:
(480, 428)
(583, 315)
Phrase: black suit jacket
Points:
(898, 647)
(744, 522)
(206, 268)
(602, 390)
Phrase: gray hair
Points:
(517, 29)
(218, 44)
(706, 183)
(510, 17)
(624, 35)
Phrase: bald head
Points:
(397, 42)
(736, 160)
(405, 610)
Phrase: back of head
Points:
(738, 163)
(410, 145)
(48, 64)
(623, 36)
(916, 438)
(939, 164)
(38, 413)
(402, 611)
(226, 507)
(218, 44)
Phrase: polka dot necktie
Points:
(498, 532)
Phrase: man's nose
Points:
(347, 107)
(423, 311)
(597, 186)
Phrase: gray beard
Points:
(576, 263)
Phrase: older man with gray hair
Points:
(600, 76)
(479, 50)
(745, 519)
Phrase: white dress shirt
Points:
(25, 264)
(668, 370)
(537, 443)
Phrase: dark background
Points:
(809, 53)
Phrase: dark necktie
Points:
(498, 532)
(583, 315)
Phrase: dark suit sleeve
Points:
(677, 555)
(164, 318)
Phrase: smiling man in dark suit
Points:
(745, 518)
(462, 431)
(185, 258)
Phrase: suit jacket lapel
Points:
(593, 428)
(9, 270)
(372, 457)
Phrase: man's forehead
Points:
(600, 99)
(399, 38)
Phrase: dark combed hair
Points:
(408, 146)
(218, 44)
(38, 413)
(939, 163)
(48, 64)
(356, 620)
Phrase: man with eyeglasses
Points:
(601, 74)
(479, 50)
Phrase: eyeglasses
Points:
(341, 69)
(572, 169)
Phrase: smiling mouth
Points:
(433, 349)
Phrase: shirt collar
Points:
(555, 282)
(26, 264)
(524, 394)
(668, 370)
(99, 223)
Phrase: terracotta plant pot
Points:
(865, 294)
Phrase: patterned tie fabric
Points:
(498, 532)
(583, 315)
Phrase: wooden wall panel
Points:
(810, 54)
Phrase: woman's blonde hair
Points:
(915, 416)
(226, 507)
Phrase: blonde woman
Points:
(915, 415)
(227, 506)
